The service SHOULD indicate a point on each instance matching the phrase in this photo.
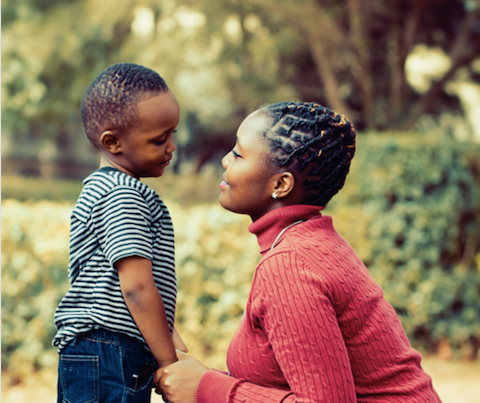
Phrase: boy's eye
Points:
(235, 154)
(164, 139)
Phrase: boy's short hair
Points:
(110, 101)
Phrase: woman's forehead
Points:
(252, 127)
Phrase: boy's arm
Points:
(146, 306)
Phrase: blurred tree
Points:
(50, 53)
(351, 55)
(224, 58)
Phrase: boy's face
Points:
(148, 147)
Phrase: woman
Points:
(316, 326)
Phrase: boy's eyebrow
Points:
(165, 132)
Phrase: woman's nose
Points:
(226, 159)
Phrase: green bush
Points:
(420, 199)
(34, 278)
(410, 208)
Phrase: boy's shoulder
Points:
(106, 180)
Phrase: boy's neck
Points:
(106, 162)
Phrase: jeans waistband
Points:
(112, 336)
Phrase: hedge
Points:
(410, 208)
(419, 199)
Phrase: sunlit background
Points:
(406, 72)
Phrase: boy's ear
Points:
(110, 141)
(285, 183)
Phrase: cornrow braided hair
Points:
(314, 143)
(111, 100)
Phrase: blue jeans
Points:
(105, 367)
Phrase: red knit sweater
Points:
(316, 326)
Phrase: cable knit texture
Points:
(316, 326)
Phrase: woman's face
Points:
(248, 181)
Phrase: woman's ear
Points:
(110, 142)
(285, 183)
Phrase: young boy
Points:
(115, 323)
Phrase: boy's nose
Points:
(171, 145)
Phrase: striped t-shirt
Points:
(115, 216)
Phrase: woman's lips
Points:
(224, 184)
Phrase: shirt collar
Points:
(267, 227)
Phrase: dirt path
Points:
(455, 382)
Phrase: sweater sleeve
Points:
(292, 305)
(217, 387)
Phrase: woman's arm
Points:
(293, 308)
(178, 342)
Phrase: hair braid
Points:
(111, 99)
(315, 143)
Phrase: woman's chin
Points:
(224, 203)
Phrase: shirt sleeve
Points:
(293, 306)
(122, 224)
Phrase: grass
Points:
(191, 189)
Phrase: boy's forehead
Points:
(163, 106)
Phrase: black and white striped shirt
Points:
(115, 216)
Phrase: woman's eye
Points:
(235, 154)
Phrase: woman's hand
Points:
(179, 381)
(178, 342)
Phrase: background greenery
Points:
(409, 208)
(223, 59)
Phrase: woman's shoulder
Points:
(316, 247)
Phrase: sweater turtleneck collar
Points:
(267, 227)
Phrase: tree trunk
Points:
(326, 74)
(361, 66)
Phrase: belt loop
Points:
(74, 342)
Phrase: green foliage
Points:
(410, 208)
(420, 199)
(223, 59)
(34, 253)
(216, 257)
